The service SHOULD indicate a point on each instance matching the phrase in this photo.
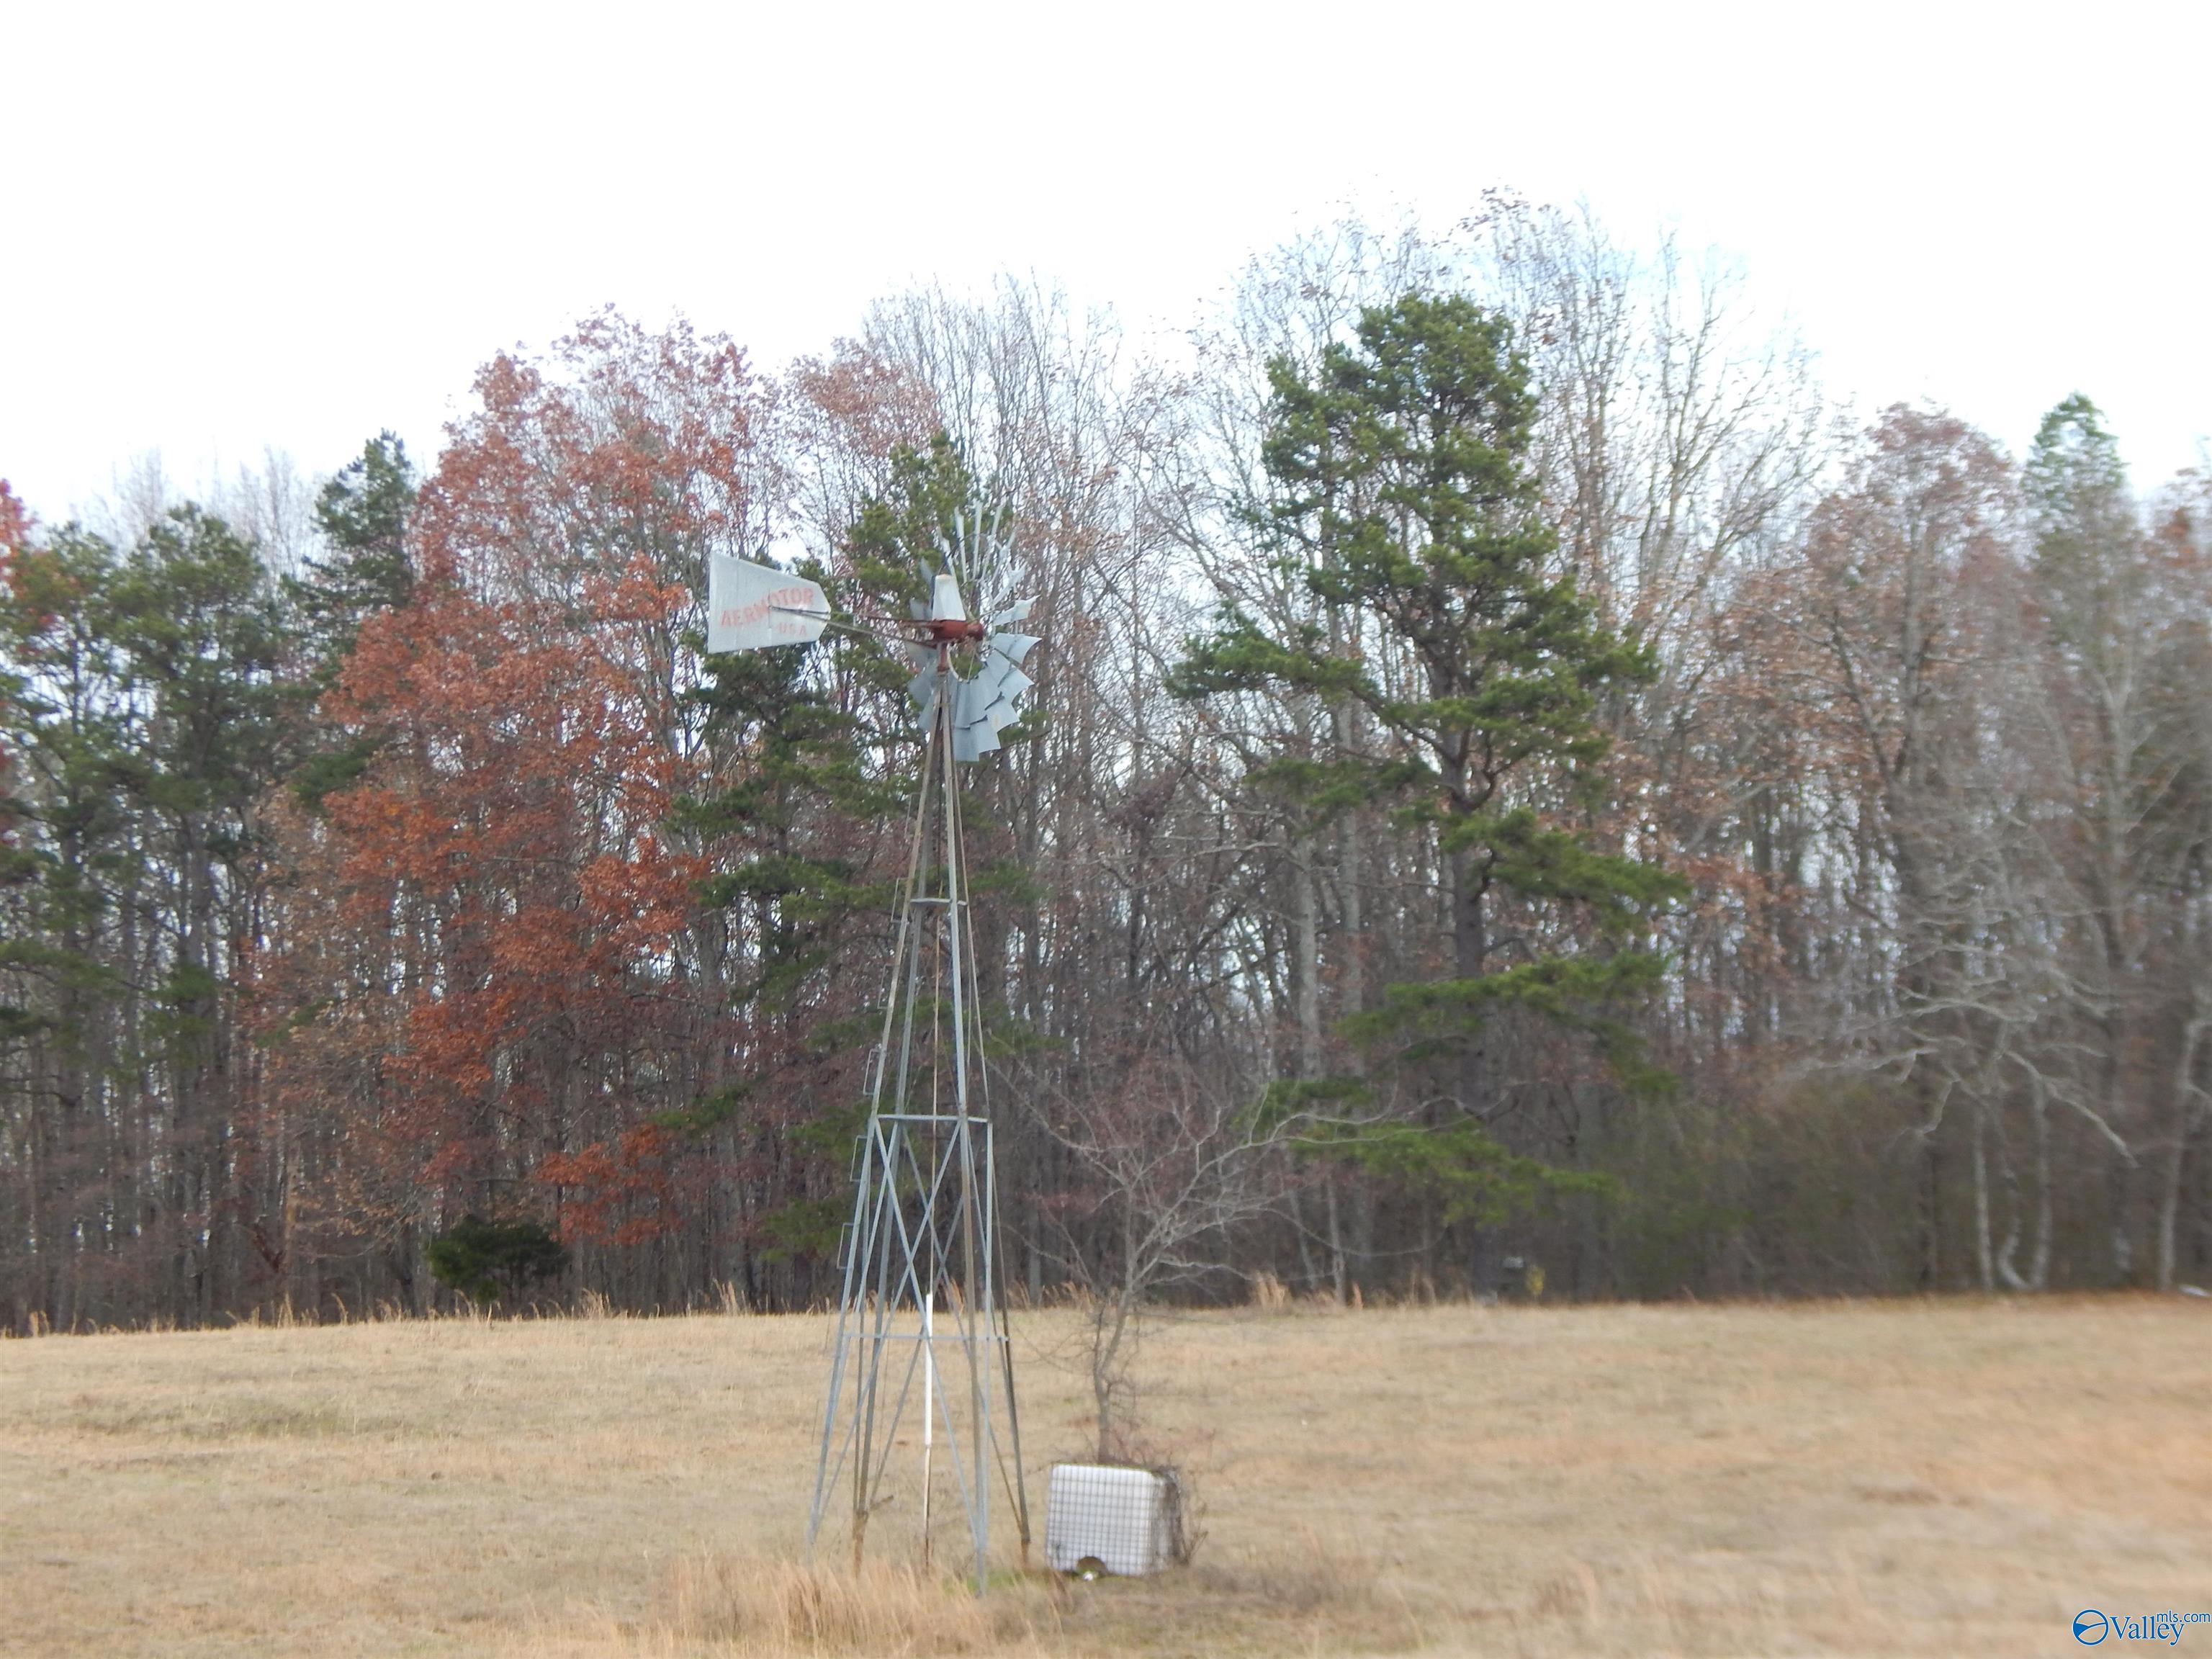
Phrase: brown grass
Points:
(783, 1607)
(1924, 1478)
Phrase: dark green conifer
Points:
(1405, 510)
(363, 512)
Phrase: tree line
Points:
(1519, 794)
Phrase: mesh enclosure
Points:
(1099, 1518)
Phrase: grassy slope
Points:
(1937, 1478)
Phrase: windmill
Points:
(920, 1420)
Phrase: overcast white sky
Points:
(227, 227)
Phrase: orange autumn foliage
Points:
(492, 968)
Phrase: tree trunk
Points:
(1306, 922)
(2039, 1272)
(2184, 1097)
(1983, 1255)
(1470, 950)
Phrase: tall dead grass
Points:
(765, 1606)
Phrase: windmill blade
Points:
(1011, 647)
(922, 688)
(974, 734)
(751, 607)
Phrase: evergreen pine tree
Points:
(198, 625)
(363, 512)
(1405, 509)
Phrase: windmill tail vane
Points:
(921, 1423)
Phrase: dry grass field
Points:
(1950, 1477)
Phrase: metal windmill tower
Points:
(921, 1423)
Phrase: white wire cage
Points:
(1106, 1518)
